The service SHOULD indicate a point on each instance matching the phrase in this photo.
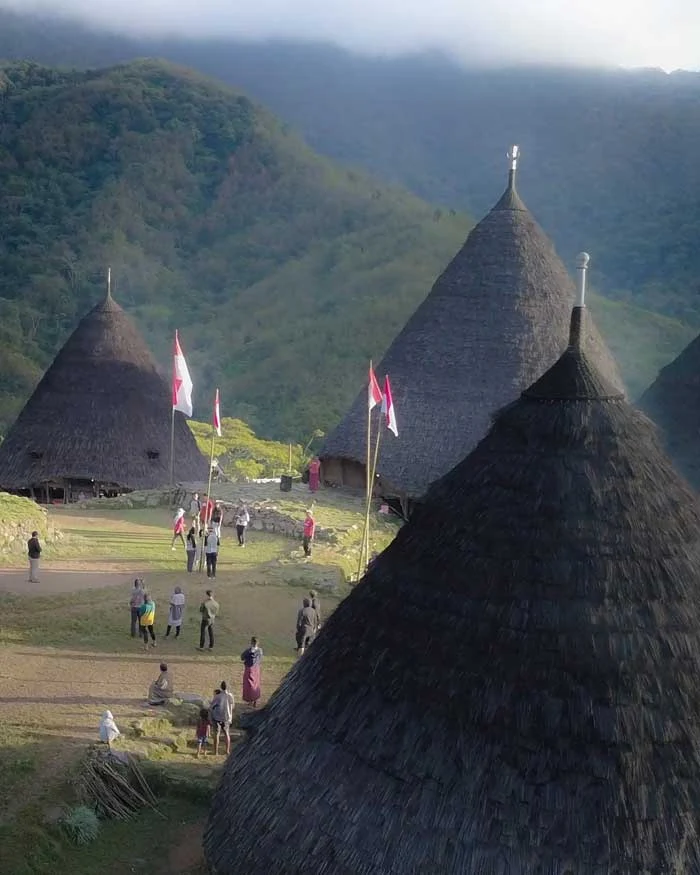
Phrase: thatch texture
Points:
(102, 412)
(673, 402)
(492, 322)
(513, 688)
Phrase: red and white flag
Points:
(374, 393)
(182, 382)
(217, 415)
(388, 408)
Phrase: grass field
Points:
(66, 658)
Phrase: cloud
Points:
(652, 33)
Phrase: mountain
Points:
(283, 271)
(611, 154)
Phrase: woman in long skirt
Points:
(176, 611)
(251, 658)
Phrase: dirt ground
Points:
(71, 577)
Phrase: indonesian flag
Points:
(374, 393)
(182, 382)
(388, 408)
(217, 415)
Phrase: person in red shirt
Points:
(206, 511)
(309, 532)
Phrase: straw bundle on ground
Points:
(101, 413)
(513, 688)
(673, 402)
(492, 322)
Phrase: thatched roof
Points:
(673, 402)
(513, 686)
(101, 411)
(492, 322)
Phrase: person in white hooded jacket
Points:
(109, 731)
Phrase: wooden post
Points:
(172, 456)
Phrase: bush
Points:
(81, 825)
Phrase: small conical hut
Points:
(99, 420)
(673, 402)
(513, 686)
(492, 322)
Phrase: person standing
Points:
(195, 507)
(34, 554)
(314, 474)
(179, 528)
(316, 605)
(147, 617)
(211, 552)
(202, 731)
(135, 603)
(206, 512)
(208, 611)
(191, 548)
(251, 659)
(222, 708)
(242, 520)
(217, 516)
(176, 611)
(306, 623)
(309, 532)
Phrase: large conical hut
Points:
(513, 686)
(492, 322)
(673, 402)
(99, 420)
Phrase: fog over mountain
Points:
(654, 33)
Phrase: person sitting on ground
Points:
(222, 708)
(202, 731)
(109, 731)
(161, 690)
(306, 623)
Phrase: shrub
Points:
(81, 825)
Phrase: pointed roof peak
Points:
(510, 200)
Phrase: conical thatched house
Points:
(492, 322)
(673, 402)
(513, 686)
(99, 418)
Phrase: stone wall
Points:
(14, 534)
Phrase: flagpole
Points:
(172, 454)
(365, 551)
(368, 487)
(208, 495)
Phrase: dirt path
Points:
(58, 579)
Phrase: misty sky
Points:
(650, 33)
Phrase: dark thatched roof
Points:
(513, 686)
(673, 402)
(101, 411)
(492, 322)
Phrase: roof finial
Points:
(513, 156)
(109, 283)
(576, 327)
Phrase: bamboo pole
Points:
(208, 497)
(364, 550)
(172, 454)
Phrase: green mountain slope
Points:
(279, 269)
(283, 272)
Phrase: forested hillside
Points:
(283, 272)
(610, 156)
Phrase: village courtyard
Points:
(66, 656)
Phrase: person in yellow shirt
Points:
(147, 617)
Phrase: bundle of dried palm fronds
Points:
(114, 786)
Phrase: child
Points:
(203, 729)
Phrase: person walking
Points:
(211, 552)
(251, 659)
(306, 623)
(309, 532)
(176, 611)
(217, 516)
(34, 554)
(208, 611)
(242, 520)
(191, 548)
(222, 708)
(195, 507)
(135, 603)
(147, 617)
(179, 528)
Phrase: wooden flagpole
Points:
(172, 454)
(364, 553)
(208, 496)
